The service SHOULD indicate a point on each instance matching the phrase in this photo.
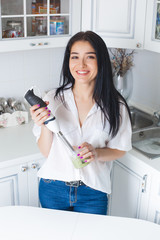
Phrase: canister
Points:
(56, 26)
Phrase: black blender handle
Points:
(32, 99)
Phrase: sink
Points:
(140, 119)
(147, 141)
(146, 134)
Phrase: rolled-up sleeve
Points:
(36, 131)
(123, 139)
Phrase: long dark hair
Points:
(105, 94)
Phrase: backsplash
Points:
(23, 69)
(146, 80)
(20, 70)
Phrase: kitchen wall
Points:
(146, 80)
(21, 70)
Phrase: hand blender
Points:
(52, 124)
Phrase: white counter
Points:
(29, 223)
(154, 164)
(16, 144)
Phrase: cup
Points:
(77, 161)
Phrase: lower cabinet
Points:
(33, 182)
(130, 189)
(19, 183)
(154, 201)
(13, 186)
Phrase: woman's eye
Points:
(91, 57)
(74, 57)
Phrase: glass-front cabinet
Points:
(157, 22)
(152, 31)
(36, 20)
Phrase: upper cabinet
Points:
(35, 24)
(38, 24)
(120, 23)
(152, 32)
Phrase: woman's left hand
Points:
(87, 152)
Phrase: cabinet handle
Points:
(144, 183)
(39, 44)
(32, 44)
(33, 166)
(23, 169)
(42, 44)
(138, 45)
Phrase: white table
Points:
(27, 223)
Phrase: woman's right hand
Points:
(39, 115)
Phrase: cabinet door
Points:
(33, 181)
(154, 203)
(152, 31)
(120, 23)
(127, 198)
(37, 24)
(13, 186)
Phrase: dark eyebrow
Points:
(86, 53)
(91, 53)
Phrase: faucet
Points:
(157, 116)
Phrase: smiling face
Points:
(83, 62)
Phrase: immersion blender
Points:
(51, 123)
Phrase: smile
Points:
(82, 72)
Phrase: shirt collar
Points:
(69, 99)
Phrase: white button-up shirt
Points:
(59, 166)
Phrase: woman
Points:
(94, 117)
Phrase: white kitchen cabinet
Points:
(38, 24)
(154, 202)
(19, 183)
(120, 23)
(152, 31)
(130, 189)
(33, 181)
(13, 186)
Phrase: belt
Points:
(74, 183)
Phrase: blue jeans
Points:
(55, 194)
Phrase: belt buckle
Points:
(73, 183)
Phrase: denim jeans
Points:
(55, 194)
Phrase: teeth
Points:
(81, 72)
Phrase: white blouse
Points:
(59, 166)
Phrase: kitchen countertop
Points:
(24, 223)
(18, 144)
(154, 164)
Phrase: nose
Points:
(82, 62)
